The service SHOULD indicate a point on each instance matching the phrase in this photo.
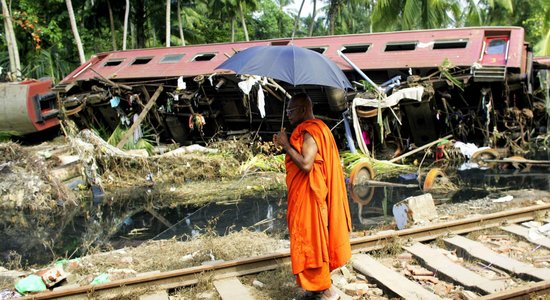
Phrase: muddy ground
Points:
(43, 198)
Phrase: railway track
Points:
(226, 274)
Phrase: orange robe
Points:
(318, 214)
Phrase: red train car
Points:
(476, 83)
(27, 106)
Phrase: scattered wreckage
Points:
(480, 85)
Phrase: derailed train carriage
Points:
(473, 83)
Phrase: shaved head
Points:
(299, 109)
(301, 99)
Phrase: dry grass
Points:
(25, 181)
(390, 247)
(165, 255)
(278, 284)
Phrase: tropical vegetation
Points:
(52, 37)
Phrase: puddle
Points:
(66, 233)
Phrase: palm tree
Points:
(180, 26)
(333, 8)
(167, 40)
(297, 18)
(313, 15)
(487, 12)
(112, 23)
(281, 4)
(125, 32)
(414, 14)
(222, 9)
(13, 52)
(75, 31)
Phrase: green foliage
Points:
(5, 136)
(445, 68)
(50, 63)
(210, 21)
(142, 143)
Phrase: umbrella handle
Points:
(283, 117)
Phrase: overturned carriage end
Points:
(27, 106)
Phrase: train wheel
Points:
(433, 176)
(360, 191)
(479, 157)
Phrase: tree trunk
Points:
(167, 39)
(13, 52)
(313, 15)
(180, 25)
(75, 31)
(139, 21)
(232, 29)
(112, 22)
(297, 19)
(125, 32)
(241, 11)
(332, 15)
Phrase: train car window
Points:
(171, 58)
(142, 60)
(203, 57)
(318, 49)
(496, 47)
(401, 46)
(450, 44)
(280, 43)
(359, 48)
(113, 62)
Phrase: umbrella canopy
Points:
(290, 64)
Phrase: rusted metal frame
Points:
(140, 118)
(525, 292)
(188, 276)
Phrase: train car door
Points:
(496, 50)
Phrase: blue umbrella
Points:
(291, 64)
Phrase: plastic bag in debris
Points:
(30, 284)
(9, 294)
(101, 278)
(409, 176)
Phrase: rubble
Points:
(414, 210)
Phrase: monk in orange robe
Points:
(318, 214)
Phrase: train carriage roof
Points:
(374, 51)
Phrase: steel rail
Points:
(253, 265)
(522, 292)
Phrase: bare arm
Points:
(305, 160)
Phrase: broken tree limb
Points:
(140, 118)
(421, 148)
(147, 99)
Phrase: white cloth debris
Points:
(468, 166)
(261, 101)
(181, 84)
(468, 149)
(504, 199)
(414, 93)
(138, 134)
(246, 85)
